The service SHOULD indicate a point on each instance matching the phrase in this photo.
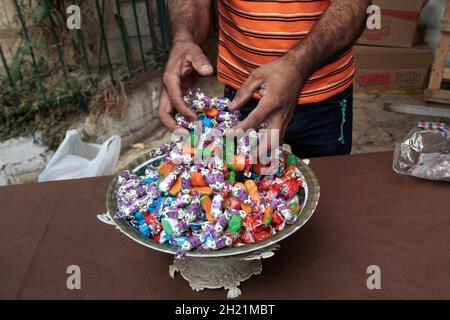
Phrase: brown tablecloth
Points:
(367, 215)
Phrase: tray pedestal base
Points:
(223, 272)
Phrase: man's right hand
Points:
(186, 62)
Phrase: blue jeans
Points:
(316, 129)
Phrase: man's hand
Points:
(278, 83)
(186, 62)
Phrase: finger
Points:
(272, 135)
(245, 93)
(173, 89)
(165, 113)
(257, 116)
(200, 62)
(275, 130)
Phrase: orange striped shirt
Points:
(253, 33)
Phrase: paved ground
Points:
(374, 129)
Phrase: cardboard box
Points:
(392, 69)
(399, 20)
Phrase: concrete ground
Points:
(374, 129)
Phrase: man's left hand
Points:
(278, 83)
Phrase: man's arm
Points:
(337, 30)
(189, 20)
(190, 24)
(279, 82)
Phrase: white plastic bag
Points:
(77, 159)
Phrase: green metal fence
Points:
(44, 68)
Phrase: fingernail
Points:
(206, 67)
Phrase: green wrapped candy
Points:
(291, 159)
(231, 177)
(295, 208)
(235, 223)
(167, 226)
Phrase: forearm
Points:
(336, 31)
(189, 20)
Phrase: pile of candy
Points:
(215, 203)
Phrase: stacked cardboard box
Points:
(392, 58)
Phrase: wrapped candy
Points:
(216, 206)
(220, 103)
(183, 121)
(161, 150)
(240, 193)
(169, 180)
(183, 200)
(221, 224)
(186, 181)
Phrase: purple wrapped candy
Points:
(181, 227)
(124, 175)
(227, 187)
(186, 181)
(214, 178)
(223, 115)
(230, 212)
(194, 208)
(216, 205)
(125, 199)
(170, 179)
(179, 157)
(151, 173)
(195, 241)
(183, 200)
(153, 191)
(197, 100)
(220, 103)
(141, 190)
(132, 183)
(224, 125)
(236, 116)
(170, 212)
(183, 121)
(241, 194)
(209, 229)
(228, 116)
(162, 149)
(130, 209)
(131, 196)
(221, 224)
(222, 242)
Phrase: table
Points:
(367, 215)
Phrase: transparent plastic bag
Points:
(425, 152)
